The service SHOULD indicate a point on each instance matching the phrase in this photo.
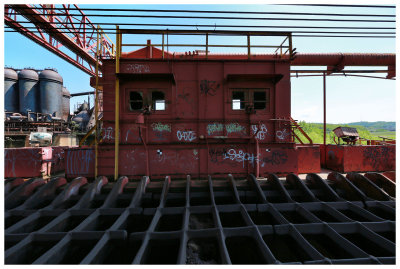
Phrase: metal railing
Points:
(284, 48)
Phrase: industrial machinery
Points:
(33, 101)
(347, 134)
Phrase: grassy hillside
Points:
(377, 125)
(316, 132)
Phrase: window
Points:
(158, 99)
(260, 99)
(238, 101)
(136, 100)
(257, 99)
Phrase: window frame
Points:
(153, 102)
(147, 100)
(249, 98)
(130, 101)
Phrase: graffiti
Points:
(185, 97)
(159, 127)
(195, 154)
(186, 135)
(108, 133)
(79, 162)
(234, 128)
(30, 158)
(282, 134)
(261, 133)
(138, 68)
(214, 128)
(130, 133)
(209, 87)
(127, 135)
(159, 136)
(276, 158)
(241, 157)
(215, 153)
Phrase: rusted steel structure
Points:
(185, 114)
(33, 162)
(342, 220)
(57, 28)
(346, 159)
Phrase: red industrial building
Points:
(203, 114)
(199, 115)
(219, 123)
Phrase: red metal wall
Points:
(186, 137)
(360, 158)
(79, 162)
(33, 162)
(180, 160)
(308, 159)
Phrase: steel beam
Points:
(78, 34)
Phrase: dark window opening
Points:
(238, 101)
(260, 100)
(158, 99)
(136, 100)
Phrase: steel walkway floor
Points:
(342, 220)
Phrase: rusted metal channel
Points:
(223, 221)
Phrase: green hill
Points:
(377, 125)
(316, 132)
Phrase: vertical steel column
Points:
(116, 145)
(324, 116)
(206, 45)
(163, 46)
(96, 107)
(248, 47)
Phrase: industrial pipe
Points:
(347, 59)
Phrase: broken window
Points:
(158, 99)
(136, 100)
(260, 99)
(238, 101)
(257, 99)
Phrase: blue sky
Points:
(349, 99)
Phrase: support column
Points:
(324, 80)
(116, 145)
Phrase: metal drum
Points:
(51, 93)
(65, 103)
(28, 91)
(11, 101)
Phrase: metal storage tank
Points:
(51, 93)
(65, 103)
(11, 100)
(28, 91)
(82, 119)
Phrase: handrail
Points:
(285, 46)
(298, 127)
(87, 135)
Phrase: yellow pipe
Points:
(96, 107)
(117, 105)
(86, 136)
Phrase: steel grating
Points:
(342, 220)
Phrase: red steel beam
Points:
(77, 33)
(347, 59)
(40, 40)
(336, 62)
